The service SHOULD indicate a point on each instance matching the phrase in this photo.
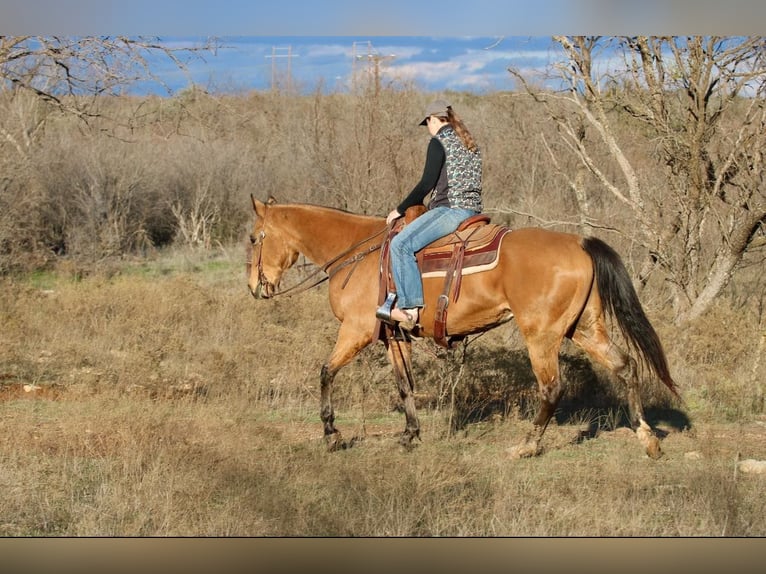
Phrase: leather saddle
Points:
(472, 248)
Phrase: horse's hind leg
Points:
(544, 356)
(591, 335)
(400, 355)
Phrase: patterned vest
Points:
(463, 172)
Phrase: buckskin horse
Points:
(553, 284)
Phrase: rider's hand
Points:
(393, 215)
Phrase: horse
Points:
(555, 285)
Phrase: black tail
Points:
(621, 302)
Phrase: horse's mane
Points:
(316, 208)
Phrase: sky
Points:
(306, 63)
(382, 18)
(464, 45)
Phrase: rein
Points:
(354, 260)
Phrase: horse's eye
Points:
(252, 239)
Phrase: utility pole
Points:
(373, 60)
(356, 57)
(277, 52)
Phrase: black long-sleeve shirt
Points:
(432, 171)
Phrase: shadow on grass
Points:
(501, 382)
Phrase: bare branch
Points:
(700, 103)
(79, 69)
(592, 224)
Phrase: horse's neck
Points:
(323, 234)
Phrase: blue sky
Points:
(382, 17)
(290, 17)
(305, 63)
(446, 44)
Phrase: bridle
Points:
(311, 280)
(253, 242)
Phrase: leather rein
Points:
(304, 284)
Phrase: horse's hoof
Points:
(652, 446)
(355, 440)
(407, 440)
(334, 441)
(653, 450)
(648, 439)
(525, 450)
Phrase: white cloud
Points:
(326, 50)
(429, 72)
(399, 52)
(471, 69)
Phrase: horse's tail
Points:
(621, 302)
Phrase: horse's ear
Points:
(259, 207)
(271, 200)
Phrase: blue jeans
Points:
(432, 225)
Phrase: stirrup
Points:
(384, 311)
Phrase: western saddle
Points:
(472, 248)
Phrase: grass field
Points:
(157, 398)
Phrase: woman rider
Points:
(452, 172)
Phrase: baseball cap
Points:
(435, 108)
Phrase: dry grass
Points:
(162, 400)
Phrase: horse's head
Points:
(270, 252)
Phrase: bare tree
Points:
(698, 103)
(44, 79)
(69, 74)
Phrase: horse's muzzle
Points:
(262, 290)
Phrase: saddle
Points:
(472, 248)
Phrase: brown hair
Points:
(461, 131)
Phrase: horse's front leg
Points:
(326, 411)
(400, 355)
(350, 342)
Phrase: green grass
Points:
(43, 279)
